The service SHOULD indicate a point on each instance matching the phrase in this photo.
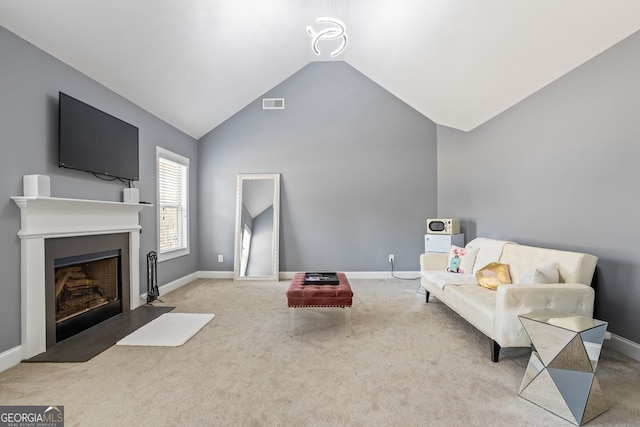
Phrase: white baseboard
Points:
(10, 358)
(178, 283)
(215, 274)
(365, 274)
(172, 286)
(624, 346)
(287, 275)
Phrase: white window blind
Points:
(173, 215)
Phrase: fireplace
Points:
(54, 229)
(86, 281)
(85, 284)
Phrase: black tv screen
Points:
(94, 141)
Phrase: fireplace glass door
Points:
(87, 291)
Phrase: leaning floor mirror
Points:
(257, 227)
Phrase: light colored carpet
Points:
(406, 363)
(168, 330)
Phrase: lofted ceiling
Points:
(195, 63)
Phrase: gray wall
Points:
(560, 169)
(358, 173)
(29, 83)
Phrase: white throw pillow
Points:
(467, 258)
(548, 273)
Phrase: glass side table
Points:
(560, 376)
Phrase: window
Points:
(173, 204)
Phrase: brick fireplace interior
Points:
(86, 282)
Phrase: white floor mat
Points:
(168, 330)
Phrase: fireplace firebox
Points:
(86, 282)
(87, 291)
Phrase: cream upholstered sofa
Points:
(495, 312)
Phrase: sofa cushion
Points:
(467, 258)
(474, 303)
(489, 250)
(493, 275)
(443, 278)
(573, 267)
(546, 274)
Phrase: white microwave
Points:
(443, 226)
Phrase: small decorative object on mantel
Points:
(131, 195)
(36, 186)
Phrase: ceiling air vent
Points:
(273, 103)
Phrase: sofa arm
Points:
(513, 300)
(433, 261)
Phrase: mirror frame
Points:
(275, 272)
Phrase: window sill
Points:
(173, 254)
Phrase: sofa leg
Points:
(495, 351)
(426, 296)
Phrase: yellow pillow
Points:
(493, 275)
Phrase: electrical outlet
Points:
(391, 258)
(220, 258)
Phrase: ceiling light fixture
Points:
(330, 33)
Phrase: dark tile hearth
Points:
(93, 341)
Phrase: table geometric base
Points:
(560, 376)
(574, 396)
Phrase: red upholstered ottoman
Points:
(300, 295)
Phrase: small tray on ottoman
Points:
(321, 278)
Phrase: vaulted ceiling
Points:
(195, 63)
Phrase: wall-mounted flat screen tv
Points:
(94, 141)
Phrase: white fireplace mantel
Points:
(49, 217)
(55, 217)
